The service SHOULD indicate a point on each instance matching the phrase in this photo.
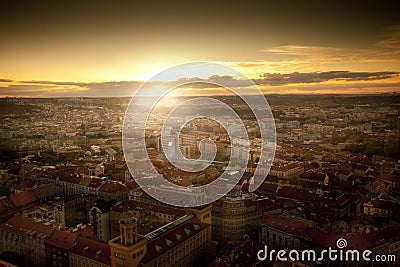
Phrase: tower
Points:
(129, 247)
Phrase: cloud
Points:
(278, 82)
(112, 88)
(248, 64)
(5, 81)
(392, 40)
(318, 77)
(304, 50)
(333, 55)
(307, 58)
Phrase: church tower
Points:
(129, 247)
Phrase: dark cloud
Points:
(392, 40)
(318, 77)
(6, 80)
(70, 89)
(276, 79)
(127, 88)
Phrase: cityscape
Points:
(69, 199)
(199, 133)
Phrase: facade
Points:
(337, 207)
(58, 246)
(311, 177)
(380, 208)
(233, 218)
(129, 247)
(69, 182)
(189, 141)
(26, 238)
(76, 209)
(99, 216)
(287, 171)
(279, 232)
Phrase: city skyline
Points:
(96, 49)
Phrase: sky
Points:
(108, 48)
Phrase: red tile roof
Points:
(169, 240)
(96, 251)
(113, 187)
(21, 224)
(321, 238)
(47, 191)
(132, 204)
(61, 239)
(85, 180)
(25, 184)
(6, 203)
(390, 177)
(310, 175)
(95, 182)
(23, 198)
(290, 193)
(284, 224)
(70, 177)
(267, 204)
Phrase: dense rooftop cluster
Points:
(65, 185)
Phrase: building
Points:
(58, 246)
(380, 208)
(151, 215)
(129, 247)
(337, 207)
(26, 238)
(51, 212)
(190, 141)
(233, 218)
(183, 242)
(24, 200)
(280, 232)
(99, 217)
(313, 178)
(288, 171)
(393, 180)
(69, 182)
(76, 208)
(86, 252)
(113, 190)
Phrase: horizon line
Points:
(271, 94)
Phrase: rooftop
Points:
(61, 239)
(92, 249)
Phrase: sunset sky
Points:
(108, 48)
